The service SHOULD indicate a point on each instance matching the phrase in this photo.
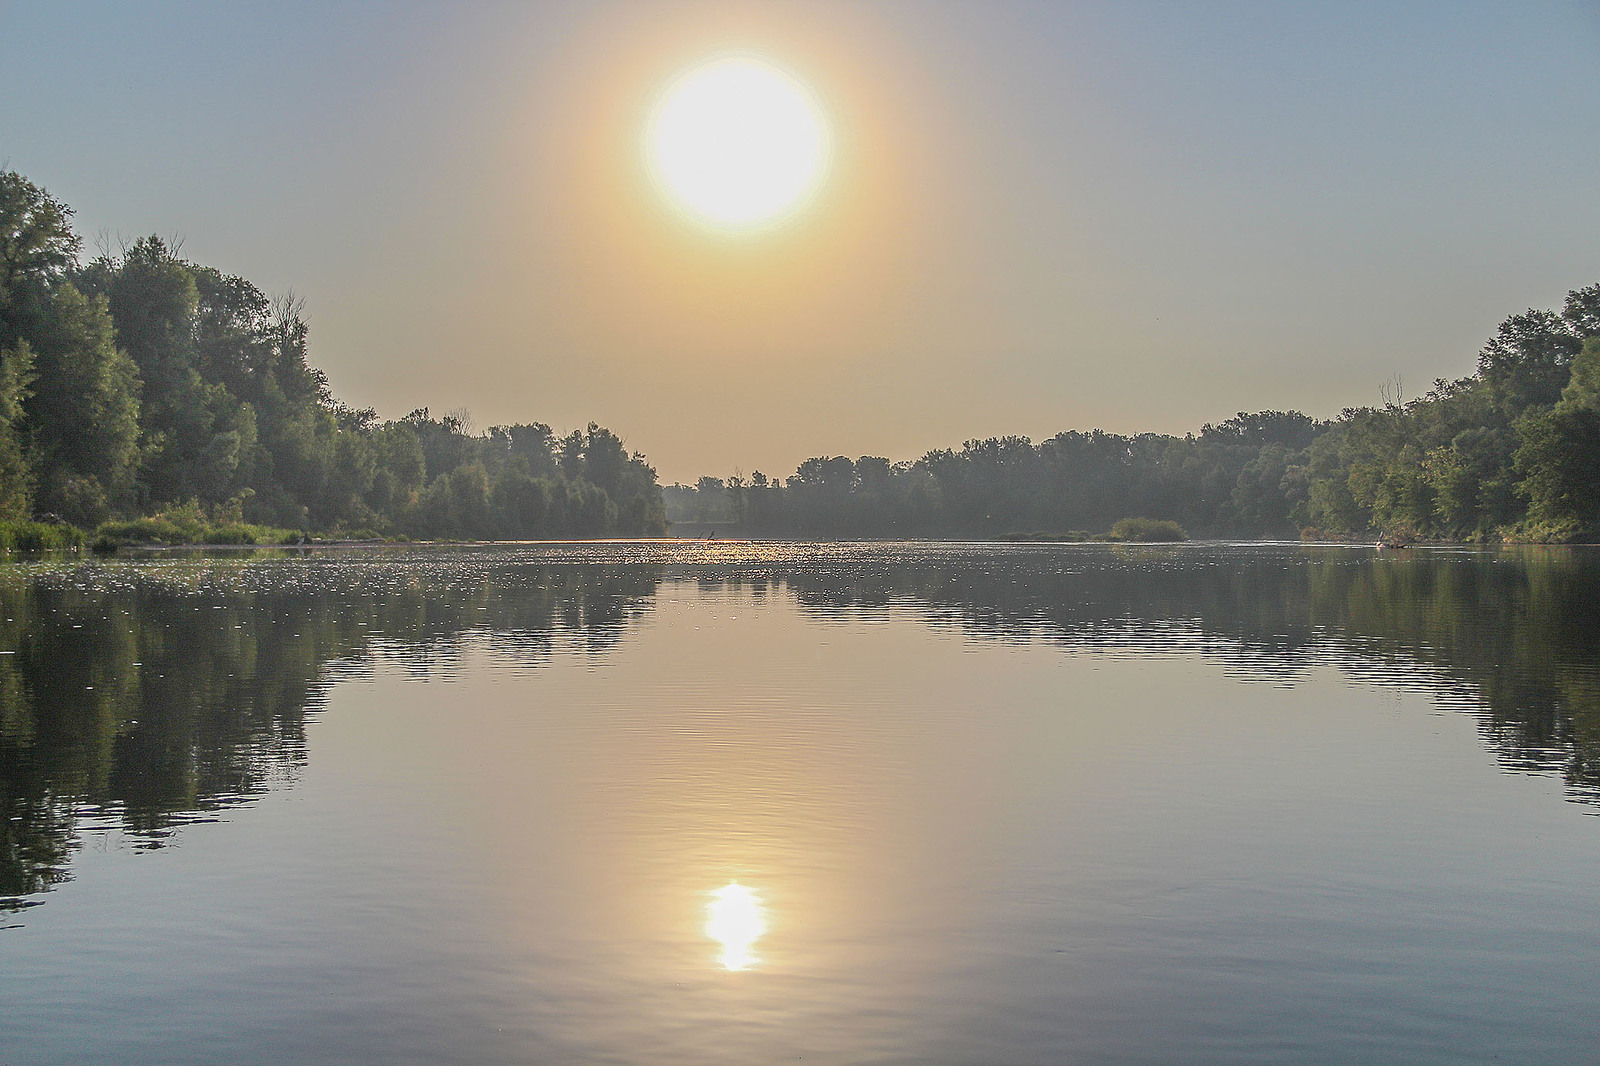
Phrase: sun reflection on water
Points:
(735, 919)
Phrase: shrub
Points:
(1147, 530)
(233, 533)
(1558, 531)
(187, 524)
(39, 536)
(1070, 537)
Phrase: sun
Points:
(737, 143)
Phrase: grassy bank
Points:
(40, 537)
(188, 525)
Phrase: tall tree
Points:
(16, 472)
(83, 413)
(37, 251)
(1560, 453)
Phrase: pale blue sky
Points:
(1133, 216)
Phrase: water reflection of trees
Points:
(150, 696)
(1516, 632)
(145, 697)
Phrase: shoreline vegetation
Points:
(1125, 531)
(145, 398)
(188, 528)
(1508, 454)
(150, 398)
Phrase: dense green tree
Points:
(141, 381)
(83, 414)
(38, 250)
(1559, 458)
(16, 473)
(1525, 363)
(523, 505)
(154, 300)
(531, 447)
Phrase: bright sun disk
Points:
(737, 142)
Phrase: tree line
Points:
(1510, 451)
(140, 381)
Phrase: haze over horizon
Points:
(1036, 217)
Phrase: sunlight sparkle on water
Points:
(735, 919)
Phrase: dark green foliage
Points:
(190, 524)
(16, 472)
(1246, 476)
(142, 383)
(1508, 451)
(514, 482)
(1076, 536)
(1147, 530)
(83, 411)
(37, 251)
(1559, 458)
(39, 536)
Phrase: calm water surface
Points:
(759, 803)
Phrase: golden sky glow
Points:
(1029, 218)
(737, 142)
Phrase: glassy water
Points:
(839, 803)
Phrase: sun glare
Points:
(735, 919)
(737, 143)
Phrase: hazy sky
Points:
(1038, 217)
